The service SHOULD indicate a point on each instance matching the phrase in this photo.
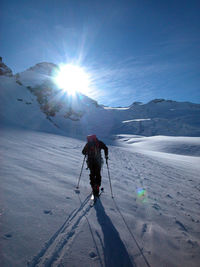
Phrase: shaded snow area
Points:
(153, 219)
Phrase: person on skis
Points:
(92, 150)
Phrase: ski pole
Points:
(81, 173)
(109, 179)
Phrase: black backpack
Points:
(93, 147)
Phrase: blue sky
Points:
(134, 50)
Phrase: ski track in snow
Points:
(58, 242)
(145, 228)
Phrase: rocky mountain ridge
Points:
(4, 70)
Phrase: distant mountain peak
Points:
(44, 68)
(137, 103)
(159, 100)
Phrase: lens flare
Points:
(142, 194)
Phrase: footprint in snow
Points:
(181, 225)
(92, 254)
(7, 236)
(156, 206)
(144, 229)
(47, 212)
(193, 243)
(168, 195)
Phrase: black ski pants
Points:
(95, 173)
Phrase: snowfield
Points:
(153, 220)
(154, 217)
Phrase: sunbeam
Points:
(72, 79)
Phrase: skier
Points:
(93, 152)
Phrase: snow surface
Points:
(115, 108)
(136, 120)
(154, 217)
(44, 221)
(18, 107)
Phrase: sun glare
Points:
(72, 79)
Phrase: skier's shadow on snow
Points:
(115, 253)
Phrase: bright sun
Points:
(72, 79)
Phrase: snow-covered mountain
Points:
(154, 217)
(33, 93)
(162, 117)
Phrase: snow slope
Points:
(18, 107)
(154, 217)
(170, 148)
(153, 220)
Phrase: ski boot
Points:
(96, 190)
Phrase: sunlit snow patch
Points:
(136, 120)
